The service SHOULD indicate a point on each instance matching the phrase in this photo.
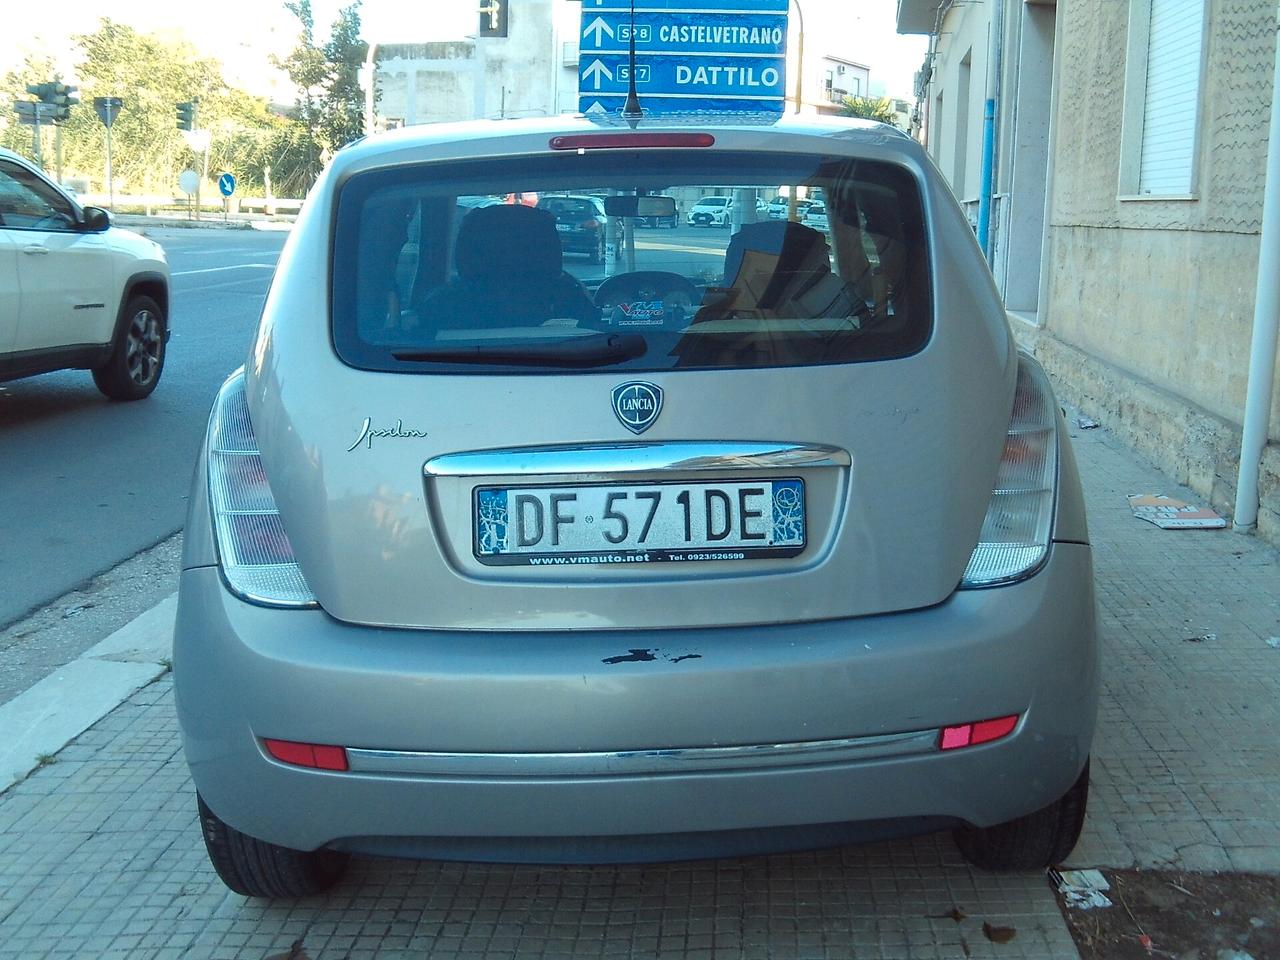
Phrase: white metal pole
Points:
(371, 63)
(111, 190)
(1266, 325)
(799, 54)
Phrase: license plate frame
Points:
(707, 507)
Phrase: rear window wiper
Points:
(597, 350)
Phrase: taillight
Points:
(589, 225)
(253, 550)
(1015, 533)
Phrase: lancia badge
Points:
(637, 404)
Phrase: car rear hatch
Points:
(782, 432)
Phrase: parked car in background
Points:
(779, 207)
(669, 221)
(815, 215)
(75, 291)
(713, 211)
(581, 223)
(766, 542)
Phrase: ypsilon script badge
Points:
(637, 404)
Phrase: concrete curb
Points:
(134, 221)
(43, 719)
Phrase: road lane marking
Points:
(234, 266)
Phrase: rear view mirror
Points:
(649, 206)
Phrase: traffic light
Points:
(63, 99)
(493, 19)
(186, 116)
(42, 91)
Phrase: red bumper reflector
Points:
(625, 141)
(307, 754)
(972, 734)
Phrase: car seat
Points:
(509, 273)
(778, 268)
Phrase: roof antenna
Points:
(631, 111)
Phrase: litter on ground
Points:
(1082, 889)
(1170, 514)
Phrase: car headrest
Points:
(508, 241)
(792, 243)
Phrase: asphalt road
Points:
(86, 483)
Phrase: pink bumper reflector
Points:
(307, 754)
(972, 734)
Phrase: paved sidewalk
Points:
(100, 855)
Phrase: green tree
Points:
(330, 104)
(342, 115)
(869, 108)
(152, 76)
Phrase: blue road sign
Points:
(691, 56)
(227, 184)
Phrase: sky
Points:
(243, 33)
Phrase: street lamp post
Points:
(371, 67)
(799, 53)
(791, 203)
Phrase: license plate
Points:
(639, 523)
(564, 227)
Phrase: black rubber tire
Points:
(1041, 839)
(255, 868)
(137, 357)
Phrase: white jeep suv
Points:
(76, 292)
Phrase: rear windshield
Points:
(512, 264)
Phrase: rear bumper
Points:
(503, 745)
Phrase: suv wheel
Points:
(1041, 839)
(255, 868)
(137, 357)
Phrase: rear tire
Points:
(1041, 839)
(255, 868)
(137, 357)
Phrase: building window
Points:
(1164, 77)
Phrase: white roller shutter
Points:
(1172, 106)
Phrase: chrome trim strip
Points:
(627, 763)
(626, 458)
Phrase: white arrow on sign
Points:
(595, 70)
(599, 28)
(596, 107)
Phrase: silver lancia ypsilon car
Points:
(738, 541)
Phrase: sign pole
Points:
(107, 108)
(35, 141)
(799, 54)
(111, 189)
